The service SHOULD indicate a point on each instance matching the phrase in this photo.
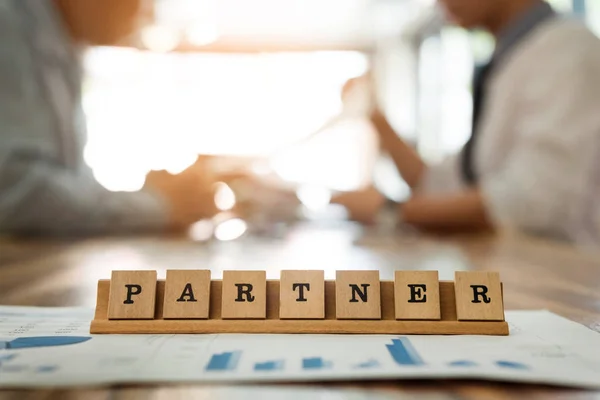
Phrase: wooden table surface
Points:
(537, 274)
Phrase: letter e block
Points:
(417, 295)
(357, 295)
(302, 295)
(244, 295)
(187, 294)
(132, 295)
(478, 296)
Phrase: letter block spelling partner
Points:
(415, 300)
(187, 294)
(132, 295)
(244, 295)
(417, 295)
(478, 296)
(357, 295)
(302, 295)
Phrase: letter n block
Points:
(357, 295)
(478, 296)
(417, 295)
(302, 295)
(132, 295)
(187, 294)
(244, 295)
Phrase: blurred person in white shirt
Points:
(533, 160)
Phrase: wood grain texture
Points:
(302, 294)
(478, 296)
(187, 294)
(417, 295)
(388, 324)
(132, 295)
(537, 274)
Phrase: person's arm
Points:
(41, 198)
(408, 162)
(465, 210)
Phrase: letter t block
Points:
(302, 295)
(244, 295)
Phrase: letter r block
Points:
(187, 294)
(132, 295)
(244, 295)
(357, 295)
(478, 296)
(302, 295)
(417, 295)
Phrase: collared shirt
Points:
(45, 186)
(518, 29)
(537, 154)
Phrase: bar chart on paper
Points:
(276, 365)
(403, 352)
(227, 361)
(316, 363)
(543, 348)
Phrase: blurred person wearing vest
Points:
(533, 160)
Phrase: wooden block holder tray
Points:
(448, 325)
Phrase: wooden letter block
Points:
(244, 295)
(478, 296)
(357, 295)
(417, 295)
(187, 294)
(302, 295)
(132, 295)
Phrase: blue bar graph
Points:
(47, 369)
(511, 365)
(462, 363)
(227, 361)
(403, 352)
(269, 365)
(315, 363)
(7, 357)
(372, 363)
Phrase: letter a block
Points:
(132, 295)
(417, 295)
(478, 296)
(302, 295)
(357, 295)
(187, 294)
(244, 295)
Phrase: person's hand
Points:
(362, 205)
(190, 195)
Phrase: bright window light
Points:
(152, 111)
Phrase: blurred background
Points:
(249, 82)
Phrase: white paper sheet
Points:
(542, 348)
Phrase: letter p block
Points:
(132, 295)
